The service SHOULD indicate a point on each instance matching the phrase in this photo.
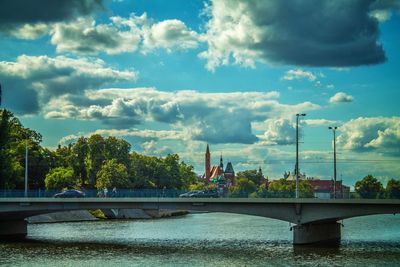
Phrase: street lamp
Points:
(334, 128)
(297, 153)
(26, 166)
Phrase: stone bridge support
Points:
(13, 230)
(325, 233)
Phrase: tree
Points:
(13, 140)
(168, 172)
(60, 178)
(243, 188)
(187, 175)
(393, 189)
(63, 155)
(142, 171)
(197, 186)
(112, 174)
(78, 159)
(262, 190)
(252, 175)
(287, 188)
(9, 165)
(117, 149)
(369, 187)
(169, 176)
(41, 160)
(96, 146)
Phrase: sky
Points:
(172, 76)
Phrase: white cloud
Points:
(170, 35)
(211, 117)
(31, 31)
(85, 37)
(341, 97)
(320, 122)
(377, 134)
(123, 35)
(29, 20)
(279, 132)
(41, 78)
(298, 74)
(243, 33)
(382, 10)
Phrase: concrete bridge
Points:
(316, 220)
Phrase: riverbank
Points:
(85, 215)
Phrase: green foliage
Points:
(369, 187)
(96, 146)
(89, 159)
(197, 186)
(112, 174)
(243, 188)
(393, 189)
(117, 149)
(13, 140)
(168, 172)
(78, 158)
(252, 175)
(187, 175)
(262, 190)
(98, 214)
(60, 178)
(287, 188)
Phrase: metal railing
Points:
(160, 193)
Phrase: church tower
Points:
(207, 164)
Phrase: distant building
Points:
(291, 176)
(324, 189)
(216, 174)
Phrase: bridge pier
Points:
(13, 230)
(327, 233)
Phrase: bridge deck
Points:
(204, 200)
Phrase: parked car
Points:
(200, 193)
(72, 193)
(190, 193)
(210, 193)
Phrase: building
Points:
(216, 174)
(324, 189)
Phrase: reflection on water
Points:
(213, 239)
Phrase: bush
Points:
(60, 178)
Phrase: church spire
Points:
(207, 163)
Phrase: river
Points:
(209, 239)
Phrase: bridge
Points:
(315, 220)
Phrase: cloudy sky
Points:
(171, 76)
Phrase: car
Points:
(72, 193)
(210, 193)
(190, 193)
(200, 194)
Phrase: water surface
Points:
(210, 239)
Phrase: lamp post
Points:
(26, 167)
(334, 128)
(297, 153)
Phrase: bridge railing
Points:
(41, 193)
(160, 193)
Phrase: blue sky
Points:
(172, 76)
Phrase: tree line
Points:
(91, 162)
(370, 187)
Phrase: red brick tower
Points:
(208, 164)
